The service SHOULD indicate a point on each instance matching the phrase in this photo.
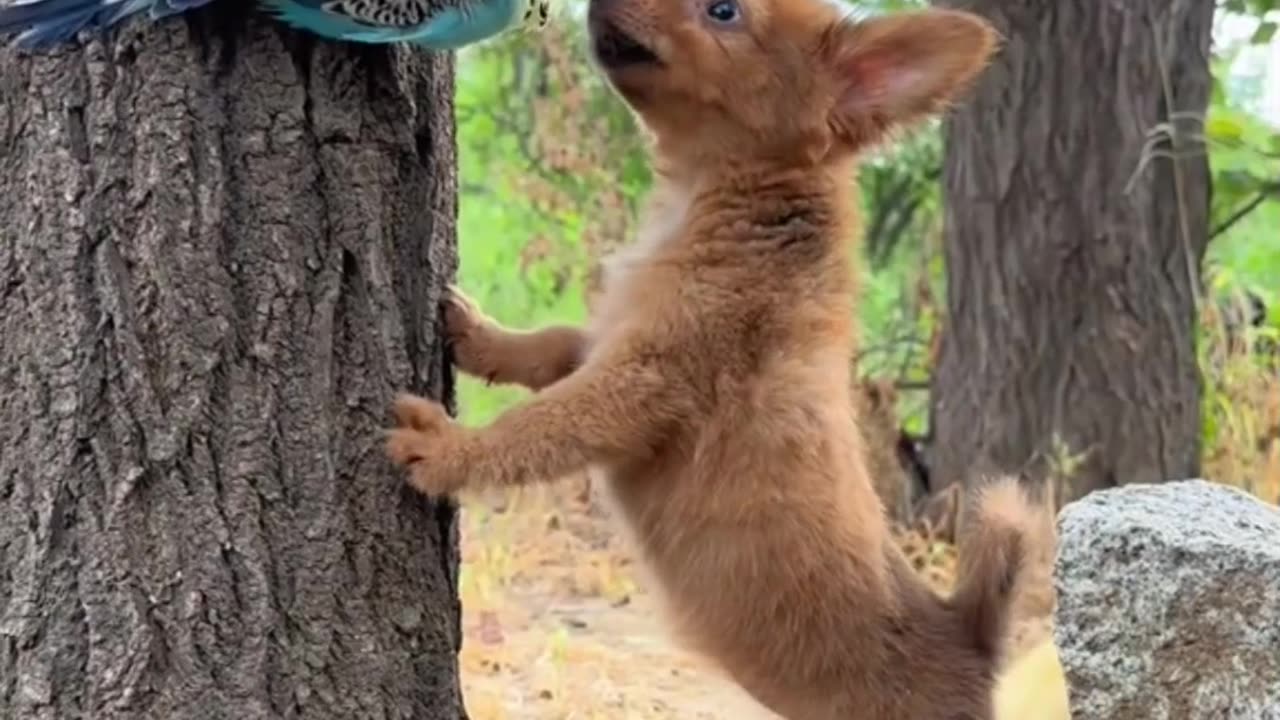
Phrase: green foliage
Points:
(1244, 156)
(901, 196)
(1253, 8)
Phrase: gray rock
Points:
(1169, 604)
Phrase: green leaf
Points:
(1266, 30)
(1224, 125)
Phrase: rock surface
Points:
(1169, 604)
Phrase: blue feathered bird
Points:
(433, 24)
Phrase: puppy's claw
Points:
(418, 413)
(405, 447)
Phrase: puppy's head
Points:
(796, 78)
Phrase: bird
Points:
(432, 24)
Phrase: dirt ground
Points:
(557, 626)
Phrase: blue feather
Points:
(455, 27)
(161, 9)
(447, 29)
(18, 15)
(328, 24)
(55, 30)
(41, 23)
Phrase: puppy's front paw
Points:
(471, 335)
(429, 443)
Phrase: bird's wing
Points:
(165, 8)
(328, 18)
(428, 23)
(41, 23)
(455, 27)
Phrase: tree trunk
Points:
(1071, 293)
(221, 253)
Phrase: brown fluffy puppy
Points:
(711, 388)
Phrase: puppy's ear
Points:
(897, 70)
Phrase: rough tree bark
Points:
(1071, 292)
(221, 253)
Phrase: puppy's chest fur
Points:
(642, 305)
(754, 394)
(634, 286)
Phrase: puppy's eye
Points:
(723, 11)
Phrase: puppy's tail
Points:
(1007, 544)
